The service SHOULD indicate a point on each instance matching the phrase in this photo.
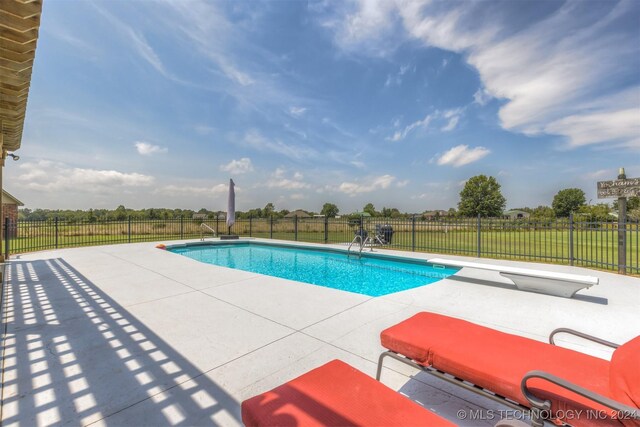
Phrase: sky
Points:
(159, 103)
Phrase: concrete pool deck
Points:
(133, 335)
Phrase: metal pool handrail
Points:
(204, 226)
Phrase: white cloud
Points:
(390, 80)
(451, 125)
(401, 184)
(279, 180)
(376, 183)
(553, 74)
(232, 72)
(370, 21)
(146, 149)
(482, 97)
(461, 155)
(138, 42)
(52, 176)
(601, 174)
(256, 140)
(206, 28)
(297, 111)
(617, 126)
(181, 190)
(402, 134)
(397, 78)
(451, 118)
(241, 166)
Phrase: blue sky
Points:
(158, 104)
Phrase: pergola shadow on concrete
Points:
(81, 356)
(19, 26)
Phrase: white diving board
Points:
(526, 279)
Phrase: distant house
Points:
(434, 214)
(10, 210)
(517, 214)
(199, 216)
(298, 213)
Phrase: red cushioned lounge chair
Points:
(335, 394)
(556, 383)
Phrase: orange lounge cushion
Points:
(625, 375)
(498, 361)
(335, 394)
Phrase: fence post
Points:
(326, 229)
(413, 233)
(622, 235)
(181, 227)
(129, 227)
(295, 227)
(217, 226)
(56, 229)
(479, 230)
(571, 238)
(271, 227)
(250, 224)
(7, 222)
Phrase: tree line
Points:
(481, 196)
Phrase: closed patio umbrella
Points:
(231, 205)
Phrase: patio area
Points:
(132, 335)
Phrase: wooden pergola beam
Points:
(19, 27)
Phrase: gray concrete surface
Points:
(133, 335)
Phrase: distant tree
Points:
(370, 209)
(91, 217)
(283, 213)
(633, 203)
(24, 213)
(481, 196)
(599, 212)
(329, 210)
(268, 210)
(452, 212)
(390, 212)
(120, 213)
(567, 201)
(543, 212)
(254, 213)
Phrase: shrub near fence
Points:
(564, 241)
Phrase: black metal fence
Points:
(565, 241)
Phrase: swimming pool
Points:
(372, 275)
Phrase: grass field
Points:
(595, 247)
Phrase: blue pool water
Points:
(369, 275)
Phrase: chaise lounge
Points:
(556, 383)
(336, 394)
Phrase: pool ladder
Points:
(204, 227)
(361, 244)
